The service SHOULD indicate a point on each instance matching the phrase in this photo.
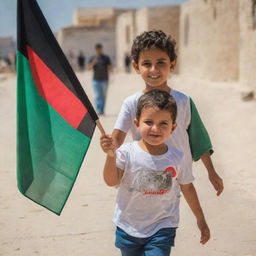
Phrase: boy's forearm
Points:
(111, 174)
(118, 137)
(214, 178)
(207, 161)
(191, 197)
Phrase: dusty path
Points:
(85, 226)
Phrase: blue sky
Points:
(59, 12)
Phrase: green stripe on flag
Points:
(49, 150)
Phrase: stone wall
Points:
(125, 33)
(7, 46)
(248, 44)
(90, 26)
(209, 39)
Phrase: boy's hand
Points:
(205, 231)
(106, 144)
(217, 182)
(212, 174)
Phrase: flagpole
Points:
(102, 131)
(100, 127)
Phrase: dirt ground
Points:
(85, 227)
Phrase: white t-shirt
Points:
(179, 138)
(149, 192)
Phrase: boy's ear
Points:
(136, 122)
(135, 66)
(174, 127)
(173, 64)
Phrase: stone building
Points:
(209, 39)
(216, 39)
(134, 22)
(90, 26)
(248, 44)
(7, 46)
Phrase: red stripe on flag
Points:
(55, 92)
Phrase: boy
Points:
(154, 58)
(150, 175)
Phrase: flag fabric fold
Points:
(55, 119)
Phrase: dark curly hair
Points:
(155, 39)
(157, 98)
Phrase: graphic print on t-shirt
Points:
(153, 182)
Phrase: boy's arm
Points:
(215, 179)
(111, 174)
(190, 195)
(123, 123)
(118, 137)
(201, 147)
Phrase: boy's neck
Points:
(153, 149)
(165, 88)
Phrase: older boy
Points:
(154, 58)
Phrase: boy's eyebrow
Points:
(156, 59)
(162, 59)
(164, 120)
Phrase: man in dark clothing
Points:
(101, 66)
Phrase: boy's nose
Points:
(154, 127)
(153, 68)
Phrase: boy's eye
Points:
(161, 63)
(148, 122)
(146, 64)
(164, 123)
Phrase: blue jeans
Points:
(100, 90)
(158, 244)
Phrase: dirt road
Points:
(85, 226)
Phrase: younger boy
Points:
(154, 58)
(150, 175)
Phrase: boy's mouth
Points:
(154, 77)
(154, 135)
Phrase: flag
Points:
(55, 119)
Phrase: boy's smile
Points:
(154, 66)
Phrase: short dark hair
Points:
(157, 98)
(155, 39)
(98, 45)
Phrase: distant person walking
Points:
(127, 63)
(81, 61)
(101, 66)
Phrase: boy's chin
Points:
(155, 86)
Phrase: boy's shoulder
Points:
(179, 96)
(133, 98)
(127, 146)
(126, 149)
(175, 93)
(175, 153)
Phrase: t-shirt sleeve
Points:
(185, 175)
(199, 139)
(121, 157)
(124, 120)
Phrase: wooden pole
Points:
(100, 127)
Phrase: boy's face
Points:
(155, 125)
(154, 66)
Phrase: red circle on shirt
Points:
(172, 170)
